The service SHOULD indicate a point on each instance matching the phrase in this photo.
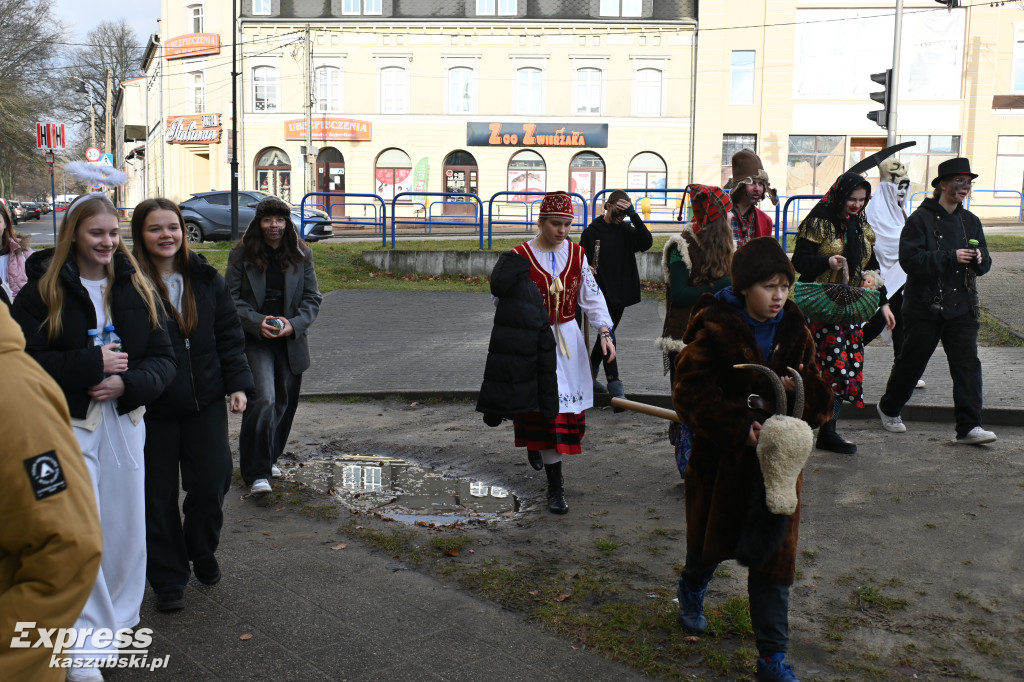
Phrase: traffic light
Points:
(884, 98)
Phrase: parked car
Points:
(17, 209)
(208, 216)
(32, 210)
(10, 209)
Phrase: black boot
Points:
(535, 459)
(829, 440)
(556, 495)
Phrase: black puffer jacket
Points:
(928, 248)
(211, 362)
(71, 359)
(520, 373)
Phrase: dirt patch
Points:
(909, 564)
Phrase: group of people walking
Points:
(145, 346)
(729, 303)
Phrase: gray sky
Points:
(82, 17)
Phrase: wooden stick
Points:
(644, 408)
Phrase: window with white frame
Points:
(1017, 86)
(506, 8)
(264, 88)
(647, 92)
(530, 91)
(461, 90)
(1009, 165)
(196, 92)
(394, 95)
(588, 92)
(742, 81)
(261, 7)
(194, 18)
(361, 7)
(328, 89)
(621, 8)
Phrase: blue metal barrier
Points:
(427, 222)
(970, 200)
(669, 201)
(784, 233)
(376, 202)
(581, 219)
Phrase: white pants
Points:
(114, 455)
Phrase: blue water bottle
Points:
(110, 336)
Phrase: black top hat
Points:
(951, 167)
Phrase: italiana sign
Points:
(194, 129)
(537, 134)
(192, 45)
(329, 128)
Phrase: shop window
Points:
(527, 172)
(264, 88)
(196, 92)
(814, 163)
(621, 8)
(730, 145)
(393, 173)
(647, 171)
(1017, 85)
(529, 95)
(461, 91)
(588, 92)
(261, 7)
(647, 92)
(274, 173)
(923, 159)
(1009, 165)
(328, 89)
(394, 95)
(194, 18)
(741, 89)
(860, 149)
(586, 174)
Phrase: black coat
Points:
(928, 247)
(211, 361)
(519, 376)
(71, 359)
(617, 274)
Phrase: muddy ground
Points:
(910, 551)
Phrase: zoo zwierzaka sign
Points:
(536, 135)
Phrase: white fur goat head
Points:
(784, 444)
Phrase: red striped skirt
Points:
(563, 434)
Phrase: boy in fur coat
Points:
(726, 513)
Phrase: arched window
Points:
(274, 173)
(647, 170)
(264, 88)
(328, 89)
(647, 92)
(530, 91)
(527, 172)
(460, 175)
(394, 95)
(586, 174)
(393, 173)
(461, 90)
(330, 177)
(588, 92)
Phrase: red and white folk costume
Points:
(565, 281)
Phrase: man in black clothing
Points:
(943, 251)
(614, 267)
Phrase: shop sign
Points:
(537, 135)
(330, 128)
(194, 129)
(192, 45)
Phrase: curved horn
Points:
(798, 397)
(780, 392)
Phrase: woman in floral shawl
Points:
(835, 233)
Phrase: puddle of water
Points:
(405, 492)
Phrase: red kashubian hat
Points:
(709, 203)
(556, 205)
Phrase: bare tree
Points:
(29, 51)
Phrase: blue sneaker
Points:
(775, 669)
(691, 608)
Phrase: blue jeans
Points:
(268, 416)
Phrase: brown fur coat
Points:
(726, 515)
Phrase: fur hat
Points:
(556, 205)
(272, 206)
(747, 165)
(892, 170)
(951, 167)
(759, 260)
(708, 203)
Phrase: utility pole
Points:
(310, 96)
(895, 85)
(106, 136)
(234, 120)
